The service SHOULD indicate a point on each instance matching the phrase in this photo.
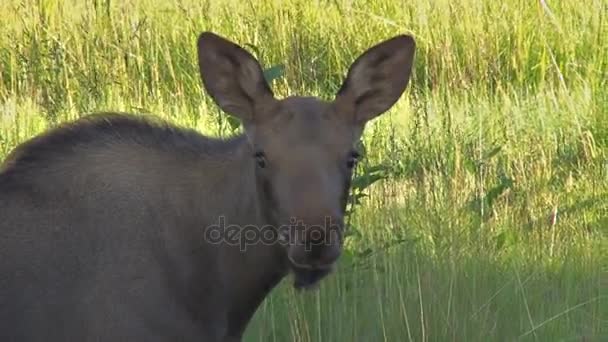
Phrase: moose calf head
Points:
(303, 148)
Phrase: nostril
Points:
(315, 245)
(316, 237)
(323, 248)
(329, 255)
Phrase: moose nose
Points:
(324, 247)
(316, 244)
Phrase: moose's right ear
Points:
(232, 76)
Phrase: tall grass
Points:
(492, 223)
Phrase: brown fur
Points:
(103, 220)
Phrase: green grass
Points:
(492, 224)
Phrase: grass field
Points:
(490, 222)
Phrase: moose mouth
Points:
(306, 274)
(307, 277)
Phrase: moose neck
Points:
(254, 269)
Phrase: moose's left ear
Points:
(377, 78)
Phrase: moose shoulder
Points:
(116, 227)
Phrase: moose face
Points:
(303, 147)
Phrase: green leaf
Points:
(233, 122)
(363, 182)
(498, 190)
(355, 199)
(487, 201)
(365, 253)
(375, 169)
(470, 165)
(500, 240)
(492, 153)
(352, 231)
(504, 240)
(274, 72)
(360, 146)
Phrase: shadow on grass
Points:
(401, 295)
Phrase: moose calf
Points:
(104, 222)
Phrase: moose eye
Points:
(353, 158)
(260, 158)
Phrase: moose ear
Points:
(377, 78)
(232, 76)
